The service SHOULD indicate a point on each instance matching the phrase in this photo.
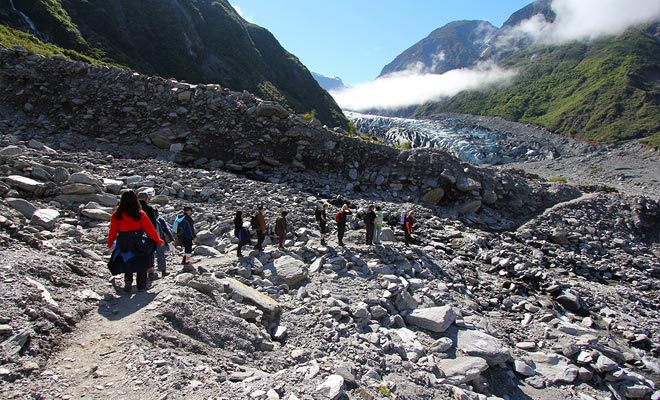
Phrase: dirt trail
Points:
(99, 359)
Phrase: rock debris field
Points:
(515, 288)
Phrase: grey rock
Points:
(270, 307)
(523, 368)
(605, 364)
(467, 184)
(292, 270)
(469, 207)
(85, 178)
(96, 214)
(570, 299)
(480, 344)
(206, 238)
(332, 388)
(45, 218)
(23, 206)
(435, 319)
(434, 196)
(24, 183)
(79, 188)
(61, 175)
(271, 109)
(15, 343)
(554, 367)
(206, 251)
(11, 151)
(462, 369)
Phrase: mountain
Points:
(329, 83)
(456, 45)
(603, 90)
(199, 41)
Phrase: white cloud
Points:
(408, 88)
(585, 20)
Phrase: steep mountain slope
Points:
(456, 45)
(199, 41)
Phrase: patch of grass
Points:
(11, 37)
(403, 146)
(558, 179)
(652, 141)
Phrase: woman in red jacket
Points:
(127, 226)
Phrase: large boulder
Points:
(45, 218)
(291, 270)
(434, 319)
(85, 178)
(480, 344)
(270, 307)
(434, 196)
(462, 369)
(23, 206)
(24, 183)
(271, 109)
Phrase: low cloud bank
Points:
(410, 88)
(575, 20)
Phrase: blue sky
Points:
(355, 39)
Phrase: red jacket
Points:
(127, 224)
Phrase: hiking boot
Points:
(153, 276)
(164, 273)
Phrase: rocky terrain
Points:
(516, 287)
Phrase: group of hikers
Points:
(140, 237)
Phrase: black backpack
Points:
(254, 222)
(317, 214)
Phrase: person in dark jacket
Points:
(127, 227)
(369, 221)
(340, 218)
(408, 227)
(261, 228)
(241, 233)
(151, 213)
(280, 229)
(165, 233)
(188, 235)
(323, 222)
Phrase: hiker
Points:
(186, 234)
(280, 229)
(369, 221)
(128, 225)
(258, 223)
(378, 225)
(323, 221)
(165, 233)
(408, 227)
(143, 197)
(241, 233)
(340, 218)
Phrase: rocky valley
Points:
(518, 286)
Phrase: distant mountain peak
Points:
(329, 83)
(456, 45)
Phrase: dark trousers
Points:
(370, 235)
(260, 240)
(407, 237)
(141, 279)
(340, 233)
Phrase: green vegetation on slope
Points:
(11, 37)
(603, 91)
